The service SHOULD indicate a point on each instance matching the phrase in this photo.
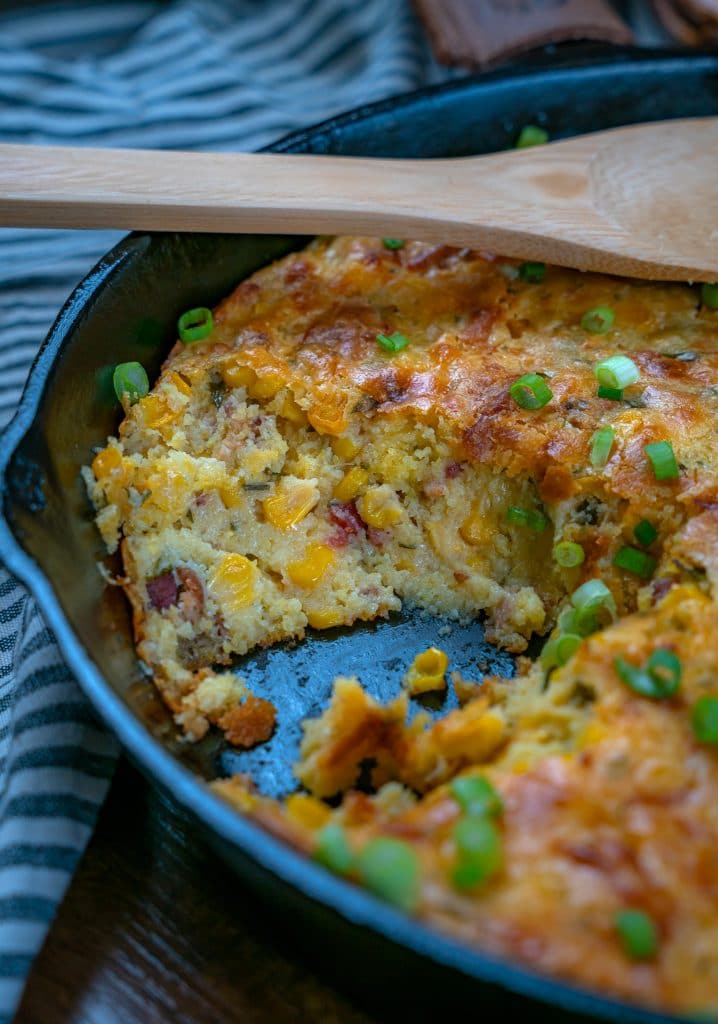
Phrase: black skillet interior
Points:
(125, 310)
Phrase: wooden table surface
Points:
(155, 929)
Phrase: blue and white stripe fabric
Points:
(215, 74)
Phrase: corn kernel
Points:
(345, 448)
(156, 412)
(106, 461)
(290, 503)
(259, 358)
(351, 484)
(169, 490)
(307, 811)
(325, 618)
(182, 386)
(267, 385)
(405, 563)
(592, 734)
(255, 461)
(291, 411)
(310, 570)
(473, 732)
(234, 792)
(427, 672)
(237, 375)
(474, 529)
(231, 495)
(380, 508)
(233, 582)
(328, 418)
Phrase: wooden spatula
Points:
(641, 200)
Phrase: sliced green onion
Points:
(531, 391)
(393, 243)
(591, 600)
(637, 933)
(617, 372)
(612, 394)
(598, 320)
(568, 554)
(333, 850)
(633, 560)
(709, 295)
(559, 649)
(568, 621)
(601, 445)
(390, 869)
(517, 516)
(195, 324)
(392, 342)
(476, 796)
(664, 666)
(536, 521)
(586, 621)
(531, 518)
(704, 719)
(479, 851)
(660, 678)
(531, 135)
(635, 678)
(663, 460)
(130, 379)
(534, 272)
(593, 594)
(645, 533)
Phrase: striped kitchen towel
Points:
(215, 74)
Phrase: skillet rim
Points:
(356, 906)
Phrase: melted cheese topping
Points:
(288, 473)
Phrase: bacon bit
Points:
(248, 291)
(433, 256)
(660, 587)
(163, 590)
(478, 329)
(201, 499)
(345, 336)
(461, 577)
(297, 271)
(191, 600)
(605, 853)
(358, 808)
(371, 259)
(453, 470)
(344, 515)
(433, 488)
(489, 430)
(250, 723)
(378, 537)
(557, 484)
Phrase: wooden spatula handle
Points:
(639, 200)
(100, 188)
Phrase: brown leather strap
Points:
(485, 32)
(694, 22)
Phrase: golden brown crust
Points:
(619, 812)
(249, 723)
(290, 472)
(473, 331)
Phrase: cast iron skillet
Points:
(126, 309)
